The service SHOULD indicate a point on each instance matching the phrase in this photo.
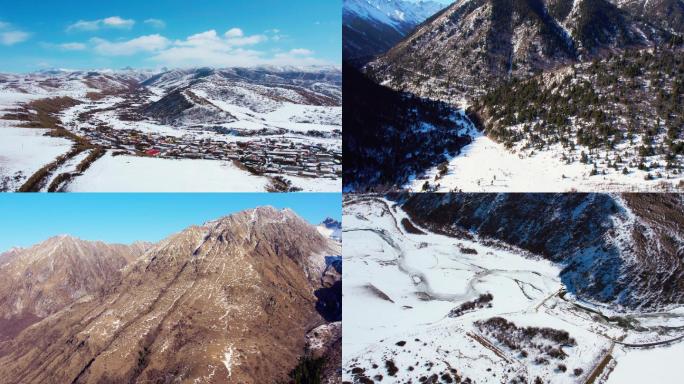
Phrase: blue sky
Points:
(28, 219)
(92, 34)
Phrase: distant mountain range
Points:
(188, 96)
(371, 27)
(238, 299)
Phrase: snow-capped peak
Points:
(395, 13)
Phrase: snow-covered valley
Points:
(197, 129)
(424, 306)
(488, 166)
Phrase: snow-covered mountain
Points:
(566, 95)
(220, 96)
(373, 26)
(475, 44)
(394, 13)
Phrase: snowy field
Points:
(23, 151)
(260, 114)
(146, 174)
(308, 184)
(405, 317)
(487, 166)
(10, 99)
(648, 365)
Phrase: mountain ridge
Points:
(43, 279)
(476, 41)
(230, 300)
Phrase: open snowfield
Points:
(10, 99)
(295, 119)
(146, 174)
(487, 166)
(23, 151)
(308, 184)
(404, 292)
(648, 365)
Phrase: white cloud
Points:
(301, 52)
(73, 46)
(13, 37)
(150, 43)
(210, 40)
(83, 25)
(117, 22)
(234, 32)
(94, 25)
(233, 49)
(156, 23)
(275, 35)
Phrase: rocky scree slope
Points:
(229, 301)
(39, 281)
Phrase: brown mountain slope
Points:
(475, 44)
(227, 302)
(41, 280)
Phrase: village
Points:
(262, 155)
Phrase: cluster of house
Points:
(261, 155)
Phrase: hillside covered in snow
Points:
(371, 27)
(487, 288)
(269, 128)
(566, 95)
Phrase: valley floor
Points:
(146, 174)
(487, 166)
(647, 365)
(412, 311)
(25, 152)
